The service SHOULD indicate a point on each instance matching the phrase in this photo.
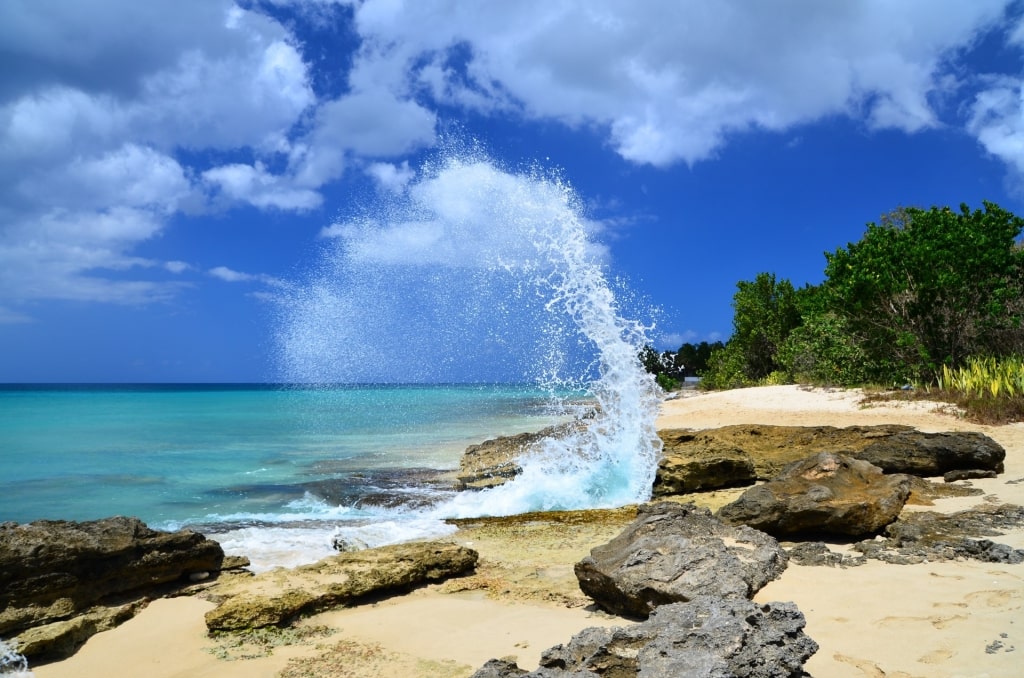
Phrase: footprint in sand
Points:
(870, 669)
(993, 597)
(938, 622)
(936, 656)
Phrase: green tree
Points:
(927, 288)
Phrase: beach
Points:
(960, 618)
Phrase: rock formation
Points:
(495, 461)
(677, 552)
(278, 596)
(824, 494)
(739, 455)
(54, 571)
(709, 637)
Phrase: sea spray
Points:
(12, 663)
(477, 274)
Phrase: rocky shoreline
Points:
(797, 484)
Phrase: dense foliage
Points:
(923, 291)
(672, 367)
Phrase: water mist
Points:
(478, 274)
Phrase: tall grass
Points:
(985, 378)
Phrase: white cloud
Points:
(229, 275)
(389, 177)
(997, 120)
(669, 81)
(253, 184)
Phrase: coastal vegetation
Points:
(930, 302)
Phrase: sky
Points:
(172, 170)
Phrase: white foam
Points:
(13, 663)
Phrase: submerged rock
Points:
(733, 456)
(52, 571)
(824, 494)
(707, 637)
(677, 552)
(277, 597)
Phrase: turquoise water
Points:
(224, 457)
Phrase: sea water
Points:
(271, 470)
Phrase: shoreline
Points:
(933, 619)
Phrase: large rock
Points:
(275, 598)
(824, 494)
(707, 637)
(51, 569)
(57, 577)
(677, 552)
(739, 455)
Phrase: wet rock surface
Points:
(708, 636)
(827, 493)
(277, 597)
(733, 456)
(54, 571)
(677, 552)
(495, 461)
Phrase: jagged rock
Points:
(824, 494)
(922, 536)
(278, 596)
(707, 637)
(676, 552)
(52, 570)
(817, 553)
(724, 457)
(495, 461)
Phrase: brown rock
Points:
(736, 455)
(824, 494)
(495, 461)
(276, 597)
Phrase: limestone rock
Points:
(677, 552)
(707, 637)
(495, 461)
(723, 457)
(51, 570)
(824, 494)
(275, 598)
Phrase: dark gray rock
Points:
(733, 456)
(824, 494)
(967, 474)
(707, 637)
(677, 552)
(817, 553)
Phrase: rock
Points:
(724, 457)
(968, 474)
(347, 544)
(53, 569)
(677, 552)
(495, 461)
(922, 536)
(816, 553)
(275, 598)
(824, 494)
(707, 637)
(60, 639)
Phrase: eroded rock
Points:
(824, 494)
(677, 552)
(708, 637)
(495, 461)
(275, 598)
(733, 456)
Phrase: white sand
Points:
(929, 620)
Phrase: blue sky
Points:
(170, 171)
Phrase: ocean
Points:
(271, 471)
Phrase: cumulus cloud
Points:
(229, 275)
(389, 177)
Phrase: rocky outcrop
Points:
(707, 637)
(677, 552)
(54, 571)
(734, 456)
(824, 494)
(495, 461)
(275, 598)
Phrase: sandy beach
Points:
(931, 620)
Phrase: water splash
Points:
(478, 274)
(12, 663)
